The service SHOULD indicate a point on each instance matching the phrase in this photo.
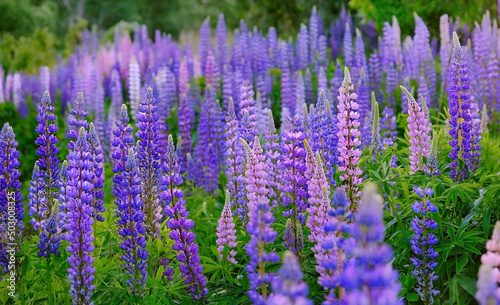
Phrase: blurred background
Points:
(36, 32)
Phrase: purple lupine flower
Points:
(148, 159)
(388, 131)
(335, 244)
(370, 279)
(322, 82)
(212, 77)
(77, 119)
(423, 91)
(49, 238)
(227, 86)
(359, 61)
(186, 121)
(259, 225)
(313, 34)
(302, 47)
(308, 84)
(364, 107)
(418, 132)
(49, 183)
(293, 188)
(475, 136)
(36, 202)
(234, 161)
(287, 98)
(431, 78)
(205, 43)
(348, 139)
(404, 100)
(424, 259)
(391, 84)
(374, 73)
(134, 85)
(127, 190)
(288, 286)
(180, 226)
(116, 100)
(79, 221)
(226, 234)
(320, 129)
(98, 173)
(493, 83)
(273, 159)
(459, 108)
(444, 48)
(331, 144)
(347, 47)
(10, 190)
(322, 49)
(223, 49)
(247, 103)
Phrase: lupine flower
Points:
(180, 226)
(347, 46)
(259, 225)
(313, 34)
(134, 85)
(475, 136)
(48, 164)
(226, 234)
(418, 132)
(77, 119)
(488, 292)
(370, 279)
(49, 239)
(127, 190)
(234, 162)
(424, 259)
(459, 108)
(331, 144)
(348, 142)
(309, 87)
(273, 159)
(79, 221)
(149, 163)
(287, 98)
(294, 189)
(36, 203)
(98, 172)
(335, 243)
(320, 128)
(489, 275)
(10, 189)
(288, 286)
(186, 118)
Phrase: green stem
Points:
(49, 282)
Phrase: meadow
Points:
(343, 165)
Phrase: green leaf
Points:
(467, 283)
(412, 296)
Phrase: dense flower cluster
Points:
(226, 233)
(424, 259)
(349, 142)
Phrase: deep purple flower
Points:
(11, 205)
(422, 244)
(459, 109)
(77, 119)
(98, 173)
(293, 179)
(148, 159)
(79, 221)
(273, 159)
(180, 226)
